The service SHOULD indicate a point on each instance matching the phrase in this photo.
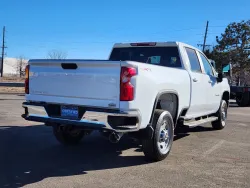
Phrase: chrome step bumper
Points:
(92, 118)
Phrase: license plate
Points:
(69, 111)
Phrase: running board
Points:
(195, 123)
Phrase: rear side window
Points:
(163, 56)
(193, 59)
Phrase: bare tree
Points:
(20, 66)
(57, 54)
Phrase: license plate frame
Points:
(69, 111)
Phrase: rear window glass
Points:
(163, 56)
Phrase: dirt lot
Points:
(11, 79)
(200, 157)
(4, 89)
(11, 90)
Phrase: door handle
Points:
(195, 80)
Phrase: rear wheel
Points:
(222, 116)
(159, 146)
(68, 135)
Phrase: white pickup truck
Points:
(144, 89)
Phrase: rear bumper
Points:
(90, 118)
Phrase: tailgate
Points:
(79, 82)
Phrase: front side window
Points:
(207, 66)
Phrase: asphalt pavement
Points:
(30, 156)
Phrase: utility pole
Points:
(205, 38)
(3, 48)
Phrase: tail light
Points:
(126, 88)
(26, 84)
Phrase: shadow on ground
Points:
(30, 154)
(185, 131)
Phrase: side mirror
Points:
(219, 77)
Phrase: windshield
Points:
(163, 56)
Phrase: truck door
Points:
(198, 102)
(213, 87)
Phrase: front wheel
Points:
(159, 146)
(222, 116)
(67, 135)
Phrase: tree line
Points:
(233, 46)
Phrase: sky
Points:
(89, 28)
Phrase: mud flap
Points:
(144, 134)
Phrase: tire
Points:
(222, 116)
(158, 148)
(67, 135)
(243, 99)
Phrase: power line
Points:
(3, 48)
(219, 26)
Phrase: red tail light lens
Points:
(26, 84)
(126, 88)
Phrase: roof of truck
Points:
(117, 45)
(148, 44)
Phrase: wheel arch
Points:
(226, 96)
(164, 95)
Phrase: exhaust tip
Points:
(115, 137)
